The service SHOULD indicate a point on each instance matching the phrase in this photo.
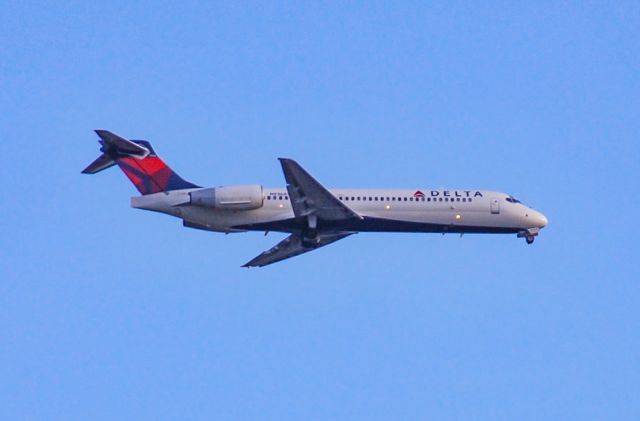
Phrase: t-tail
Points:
(139, 162)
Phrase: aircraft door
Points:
(495, 205)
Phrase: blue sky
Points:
(108, 312)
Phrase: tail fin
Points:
(139, 162)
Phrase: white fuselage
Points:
(313, 215)
(404, 210)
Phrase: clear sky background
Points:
(108, 312)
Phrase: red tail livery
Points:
(139, 162)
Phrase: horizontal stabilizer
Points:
(115, 143)
(103, 162)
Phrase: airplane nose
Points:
(542, 220)
(536, 219)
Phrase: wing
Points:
(293, 246)
(309, 197)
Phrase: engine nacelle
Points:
(229, 197)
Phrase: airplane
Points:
(313, 215)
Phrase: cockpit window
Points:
(512, 199)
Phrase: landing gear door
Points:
(495, 205)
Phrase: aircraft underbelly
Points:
(448, 218)
(377, 224)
